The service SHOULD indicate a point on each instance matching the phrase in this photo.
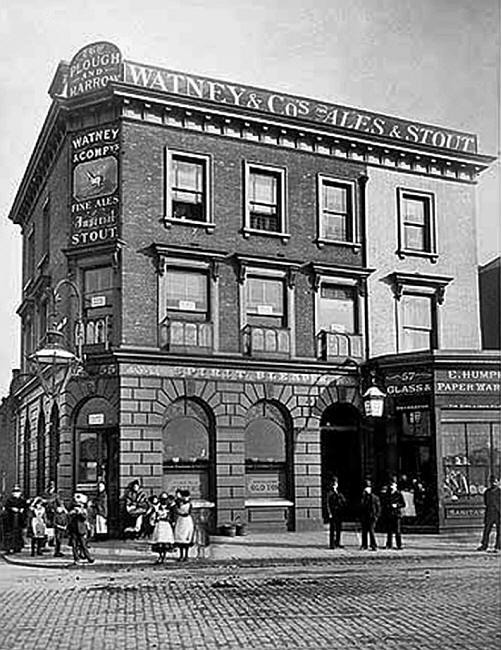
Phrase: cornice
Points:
(152, 356)
(44, 153)
(64, 115)
(164, 109)
(438, 358)
(170, 110)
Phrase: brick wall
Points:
(145, 399)
(143, 185)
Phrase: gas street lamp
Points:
(373, 402)
(53, 363)
(373, 399)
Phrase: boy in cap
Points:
(78, 529)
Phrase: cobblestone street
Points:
(390, 602)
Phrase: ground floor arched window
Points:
(188, 439)
(268, 466)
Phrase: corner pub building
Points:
(243, 258)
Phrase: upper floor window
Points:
(417, 330)
(265, 302)
(337, 309)
(98, 292)
(187, 295)
(187, 189)
(416, 224)
(336, 211)
(98, 287)
(265, 200)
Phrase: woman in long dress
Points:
(162, 539)
(184, 528)
(101, 512)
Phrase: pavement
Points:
(255, 549)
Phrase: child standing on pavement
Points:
(38, 525)
(78, 529)
(163, 537)
(60, 525)
(184, 528)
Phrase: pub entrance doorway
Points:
(341, 455)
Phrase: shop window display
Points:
(471, 453)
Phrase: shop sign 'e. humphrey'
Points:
(93, 67)
(94, 184)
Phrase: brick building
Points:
(243, 257)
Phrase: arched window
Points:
(187, 449)
(266, 453)
(26, 459)
(264, 442)
(41, 453)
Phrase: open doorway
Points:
(341, 454)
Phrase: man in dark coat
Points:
(336, 504)
(392, 506)
(370, 509)
(492, 500)
(78, 529)
(15, 519)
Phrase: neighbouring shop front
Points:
(442, 435)
(467, 404)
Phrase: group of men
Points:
(370, 509)
(390, 506)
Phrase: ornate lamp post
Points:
(53, 363)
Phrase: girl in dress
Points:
(38, 526)
(184, 528)
(162, 538)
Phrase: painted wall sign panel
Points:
(409, 383)
(289, 106)
(95, 184)
(93, 67)
(468, 387)
(229, 374)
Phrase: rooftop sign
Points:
(278, 104)
(93, 67)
